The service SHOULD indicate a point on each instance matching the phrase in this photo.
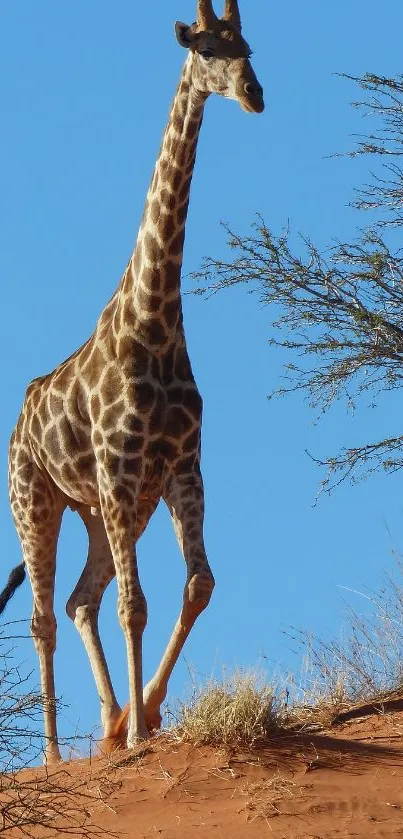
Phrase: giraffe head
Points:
(220, 55)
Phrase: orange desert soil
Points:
(345, 781)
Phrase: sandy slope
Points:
(346, 781)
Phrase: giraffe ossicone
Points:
(116, 427)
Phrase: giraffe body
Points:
(116, 427)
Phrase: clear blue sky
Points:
(85, 93)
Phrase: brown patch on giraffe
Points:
(176, 245)
(38, 498)
(123, 495)
(42, 412)
(192, 442)
(133, 445)
(168, 449)
(181, 155)
(134, 356)
(155, 368)
(26, 472)
(112, 464)
(193, 128)
(164, 165)
(171, 313)
(38, 515)
(52, 445)
(112, 416)
(166, 227)
(125, 520)
(134, 424)
(153, 278)
(69, 474)
(156, 420)
(177, 123)
(185, 465)
(144, 396)
(178, 422)
(85, 463)
(172, 272)
(155, 210)
(85, 352)
(175, 395)
(155, 334)
(183, 370)
(116, 441)
(134, 264)
(176, 181)
(133, 466)
(95, 406)
(183, 194)
(92, 369)
(167, 199)
(111, 386)
(36, 398)
(154, 251)
(181, 213)
(146, 301)
(191, 509)
(192, 401)
(74, 439)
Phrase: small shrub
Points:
(240, 710)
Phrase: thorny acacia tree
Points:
(342, 308)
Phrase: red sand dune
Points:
(345, 781)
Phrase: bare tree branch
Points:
(339, 313)
(54, 800)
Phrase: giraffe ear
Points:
(184, 34)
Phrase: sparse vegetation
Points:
(338, 313)
(243, 709)
(49, 799)
(366, 662)
(363, 666)
(239, 710)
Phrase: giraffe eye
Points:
(206, 54)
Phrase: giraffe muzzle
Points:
(254, 101)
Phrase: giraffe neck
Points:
(151, 285)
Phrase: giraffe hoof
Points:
(153, 719)
(51, 758)
(136, 739)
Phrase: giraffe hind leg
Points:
(37, 509)
(83, 608)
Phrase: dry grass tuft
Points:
(241, 710)
(363, 666)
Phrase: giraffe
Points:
(117, 426)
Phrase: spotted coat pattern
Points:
(116, 427)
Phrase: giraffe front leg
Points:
(119, 514)
(43, 629)
(185, 498)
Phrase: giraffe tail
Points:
(118, 736)
(15, 579)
